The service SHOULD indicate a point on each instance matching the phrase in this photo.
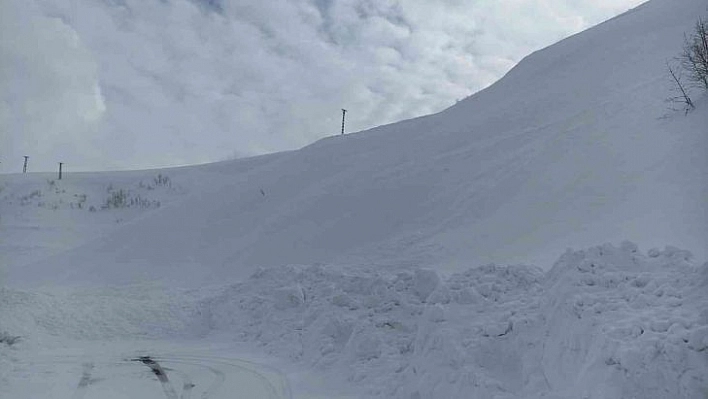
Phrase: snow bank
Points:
(623, 324)
(608, 322)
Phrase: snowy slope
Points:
(41, 215)
(362, 234)
(573, 147)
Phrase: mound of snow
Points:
(604, 323)
(622, 323)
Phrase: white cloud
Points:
(50, 99)
(139, 83)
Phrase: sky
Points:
(133, 84)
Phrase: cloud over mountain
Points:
(128, 83)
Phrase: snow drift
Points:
(603, 323)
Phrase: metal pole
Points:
(24, 168)
(60, 165)
(344, 112)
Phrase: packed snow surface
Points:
(393, 262)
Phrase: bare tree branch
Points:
(694, 58)
(683, 98)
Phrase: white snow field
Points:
(392, 262)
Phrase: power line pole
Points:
(60, 165)
(344, 113)
(24, 168)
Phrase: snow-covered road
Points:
(113, 370)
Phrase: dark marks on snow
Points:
(159, 372)
(84, 381)
(183, 369)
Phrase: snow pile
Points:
(622, 324)
(604, 323)
(608, 322)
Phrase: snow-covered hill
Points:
(573, 147)
(362, 256)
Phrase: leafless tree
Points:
(694, 58)
(682, 97)
(693, 64)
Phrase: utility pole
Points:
(60, 165)
(344, 113)
(24, 168)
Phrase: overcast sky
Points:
(125, 84)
